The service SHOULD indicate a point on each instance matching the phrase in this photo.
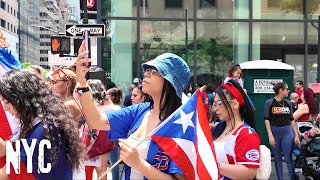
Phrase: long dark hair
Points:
(169, 101)
(247, 111)
(116, 95)
(98, 90)
(32, 97)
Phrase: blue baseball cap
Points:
(172, 68)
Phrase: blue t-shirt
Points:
(126, 121)
(60, 170)
(127, 100)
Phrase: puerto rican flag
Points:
(8, 124)
(186, 137)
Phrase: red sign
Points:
(315, 87)
(90, 3)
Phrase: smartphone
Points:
(86, 39)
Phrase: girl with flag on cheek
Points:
(165, 78)
(236, 142)
(42, 116)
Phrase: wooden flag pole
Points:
(119, 161)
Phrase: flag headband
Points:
(235, 92)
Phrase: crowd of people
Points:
(78, 115)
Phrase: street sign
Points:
(76, 29)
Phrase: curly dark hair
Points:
(32, 97)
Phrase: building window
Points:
(43, 51)
(3, 23)
(14, 13)
(273, 3)
(8, 26)
(207, 3)
(45, 35)
(173, 4)
(45, 44)
(3, 5)
(43, 59)
(14, 29)
(11, 11)
(11, 29)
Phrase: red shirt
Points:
(299, 92)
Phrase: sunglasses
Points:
(217, 103)
(58, 72)
(151, 71)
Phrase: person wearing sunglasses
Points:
(42, 116)
(236, 128)
(165, 78)
(63, 82)
(281, 128)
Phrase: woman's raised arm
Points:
(92, 115)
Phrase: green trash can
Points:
(258, 76)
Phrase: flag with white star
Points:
(186, 137)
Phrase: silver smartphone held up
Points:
(86, 39)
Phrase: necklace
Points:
(224, 133)
(282, 105)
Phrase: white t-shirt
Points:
(239, 80)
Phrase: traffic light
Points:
(60, 45)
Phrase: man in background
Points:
(299, 89)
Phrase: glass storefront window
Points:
(223, 9)
(219, 45)
(277, 9)
(119, 8)
(313, 9)
(157, 37)
(312, 61)
(281, 41)
(119, 49)
(165, 8)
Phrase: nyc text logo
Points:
(13, 155)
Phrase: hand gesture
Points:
(272, 141)
(129, 154)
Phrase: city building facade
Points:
(10, 23)
(51, 23)
(29, 37)
(209, 35)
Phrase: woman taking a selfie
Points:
(165, 78)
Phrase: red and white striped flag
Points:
(186, 137)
